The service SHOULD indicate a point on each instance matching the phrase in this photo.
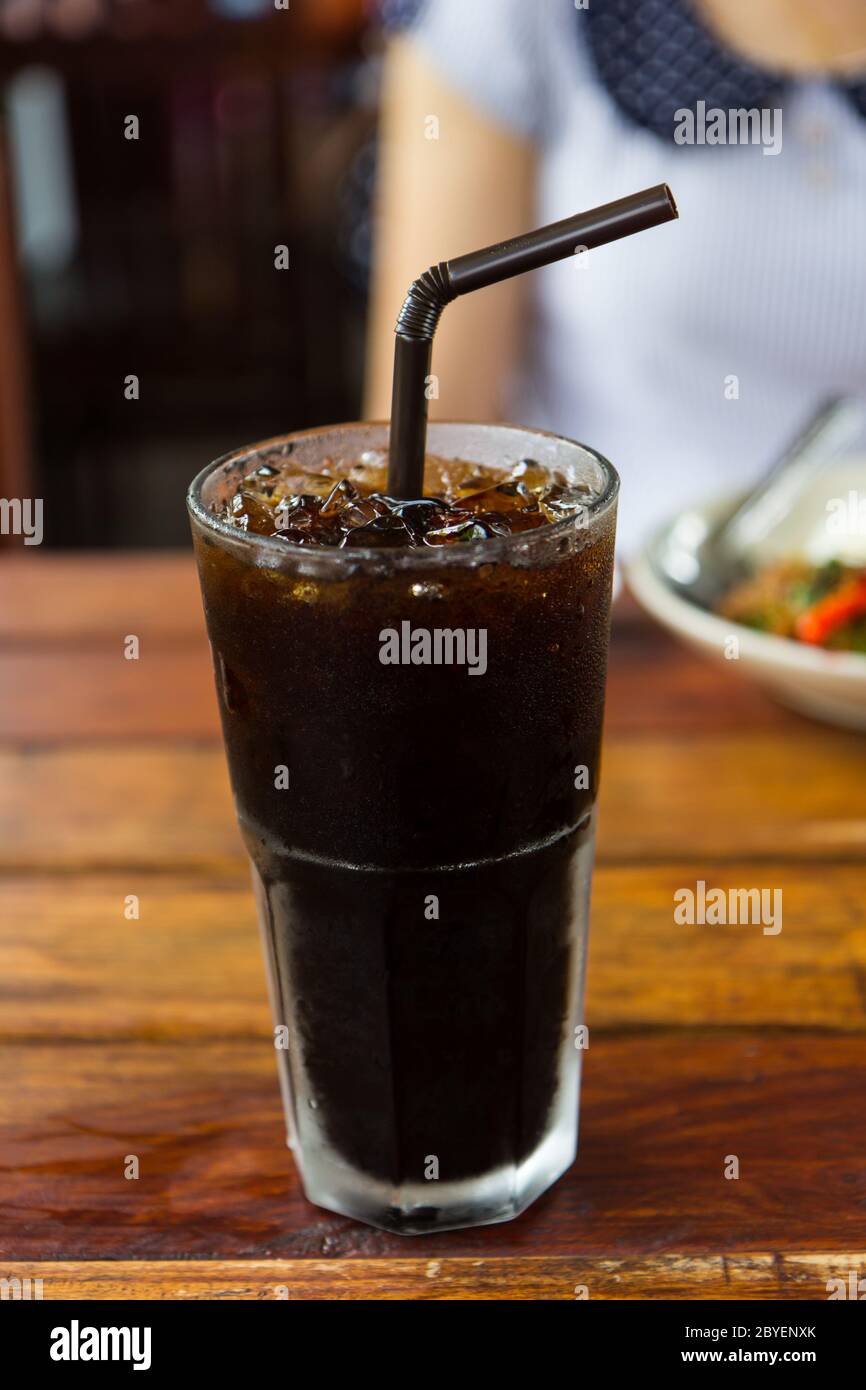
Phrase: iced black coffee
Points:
(411, 692)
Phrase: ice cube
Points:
(460, 527)
(561, 502)
(300, 512)
(504, 497)
(342, 494)
(536, 478)
(421, 515)
(384, 531)
(477, 480)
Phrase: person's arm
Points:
(438, 198)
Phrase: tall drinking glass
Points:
(413, 742)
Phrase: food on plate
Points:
(823, 605)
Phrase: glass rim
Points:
(468, 552)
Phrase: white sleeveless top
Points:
(689, 355)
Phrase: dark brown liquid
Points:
(418, 1035)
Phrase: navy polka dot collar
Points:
(657, 56)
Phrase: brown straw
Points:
(429, 294)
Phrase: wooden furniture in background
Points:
(15, 475)
(252, 136)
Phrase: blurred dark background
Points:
(154, 256)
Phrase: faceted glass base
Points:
(419, 1208)
(430, 1071)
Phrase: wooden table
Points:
(152, 1037)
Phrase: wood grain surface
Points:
(549, 1277)
(152, 1037)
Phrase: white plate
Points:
(827, 685)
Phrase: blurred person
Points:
(690, 356)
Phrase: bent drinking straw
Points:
(429, 294)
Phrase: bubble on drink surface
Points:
(427, 589)
(344, 503)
